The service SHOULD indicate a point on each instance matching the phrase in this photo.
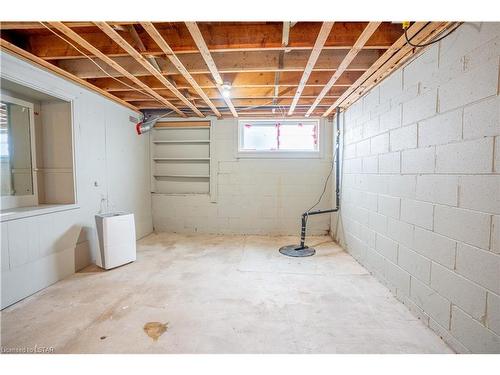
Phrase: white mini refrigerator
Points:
(116, 233)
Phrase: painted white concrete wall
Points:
(112, 162)
(55, 164)
(253, 196)
(421, 186)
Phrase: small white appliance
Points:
(116, 233)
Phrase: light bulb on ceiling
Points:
(226, 90)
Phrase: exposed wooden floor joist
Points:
(108, 30)
(419, 32)
(156, 36)
(89, 47)
(220, 37)
(351, 55)
(311, 62)
(182, 66)
(205, 53)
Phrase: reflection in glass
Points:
(15, 150)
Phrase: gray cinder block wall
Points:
(421, 186)
(253, 196)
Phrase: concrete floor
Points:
(221, 294)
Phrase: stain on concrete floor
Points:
(155, 329)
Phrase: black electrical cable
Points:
(428, 43)
(325, 186)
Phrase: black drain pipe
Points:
(337, 187)
(302, 250)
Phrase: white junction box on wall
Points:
(116, 233)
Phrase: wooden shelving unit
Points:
(182, 141)
(182, 176)
(181, 158)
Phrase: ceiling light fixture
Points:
(226, 90)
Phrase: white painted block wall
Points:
(254, 196)
(422, 149)
(40, 250)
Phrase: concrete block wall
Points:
(253, 196)
(421, 186)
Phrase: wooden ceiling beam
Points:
(156, 36)
(237, 92)
(182, 86)
(323, 34)
(400, 51)
(282, 102)
(89, 47)
(286, 33)
(37, 25)
(202, 46)
(304, 100)
(205, 81)
(222, 35)
(265, 62)
(265, 101)
(50, 54)
(246, 102)
(87, 70)
(219, 37)
(231, 63)
(358, 45)
(284, 43)
(428, 34)
(108, 30)
(4, 45)
(141, 47)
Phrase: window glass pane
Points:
(258, 137)
(298, 136)
(279, 135)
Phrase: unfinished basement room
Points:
(250, 186)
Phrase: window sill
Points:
(278, 155)
(43, 209)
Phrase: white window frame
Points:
(15, 201)
(279, 154)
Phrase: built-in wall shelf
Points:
(181, 159)
(182, 141)
(181, 176)
(181, 127)
(180, 153)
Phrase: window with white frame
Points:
(278, 137)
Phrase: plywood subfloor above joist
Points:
(183, 66)
(220, 37)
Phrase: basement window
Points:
(278, 138)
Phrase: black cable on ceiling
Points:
(428, 43)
